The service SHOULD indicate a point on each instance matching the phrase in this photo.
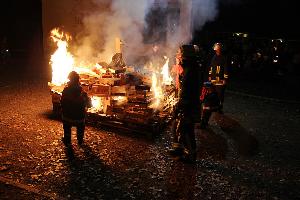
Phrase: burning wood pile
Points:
(120, 94)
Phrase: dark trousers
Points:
(206, 114)
(187, 135)
(220, 89)
(67, 131)
(184, 131)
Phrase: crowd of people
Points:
(268, 57)
(197, 99)
(201, 91)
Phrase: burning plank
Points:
(118, 93)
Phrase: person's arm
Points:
(87, 100)
(63, 98)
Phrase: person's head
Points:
(189, 54)
(217, 48)
(189, 51)
(73, 77)
(155, 48)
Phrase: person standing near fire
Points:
(74, 102)
(218, 73)
(187, 111)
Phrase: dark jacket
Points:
(211, 102)
(190, 83)
(218, 68)
(74, 102)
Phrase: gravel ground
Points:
(252, 152)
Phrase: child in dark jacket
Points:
(74, 102)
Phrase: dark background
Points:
(260, 17)
(21, 22)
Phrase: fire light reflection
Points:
(97, 105)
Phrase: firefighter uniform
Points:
(218, 73)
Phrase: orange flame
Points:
(157, 91)
(157, 85)
(62, 61)
(167, 79)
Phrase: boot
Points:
(176, 150)
(188, 157)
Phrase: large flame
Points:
(62, 61)
(157, 91)
(158, 84)
(167, 79)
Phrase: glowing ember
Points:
(100, 69)
(62, 61)
(83, 70)
(97, 103)
(119, 98)
(112, 70)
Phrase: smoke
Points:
(203, 11)
(91, 41)
(130, 20)
(108, 21)
(126, 23)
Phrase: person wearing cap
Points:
(74, 101)
(218, 72)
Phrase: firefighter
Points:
(187, 110)
(74, 102)
(218, 73)
(278, 57)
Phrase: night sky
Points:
(21, 23)
(21, 20)
(263, 18)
